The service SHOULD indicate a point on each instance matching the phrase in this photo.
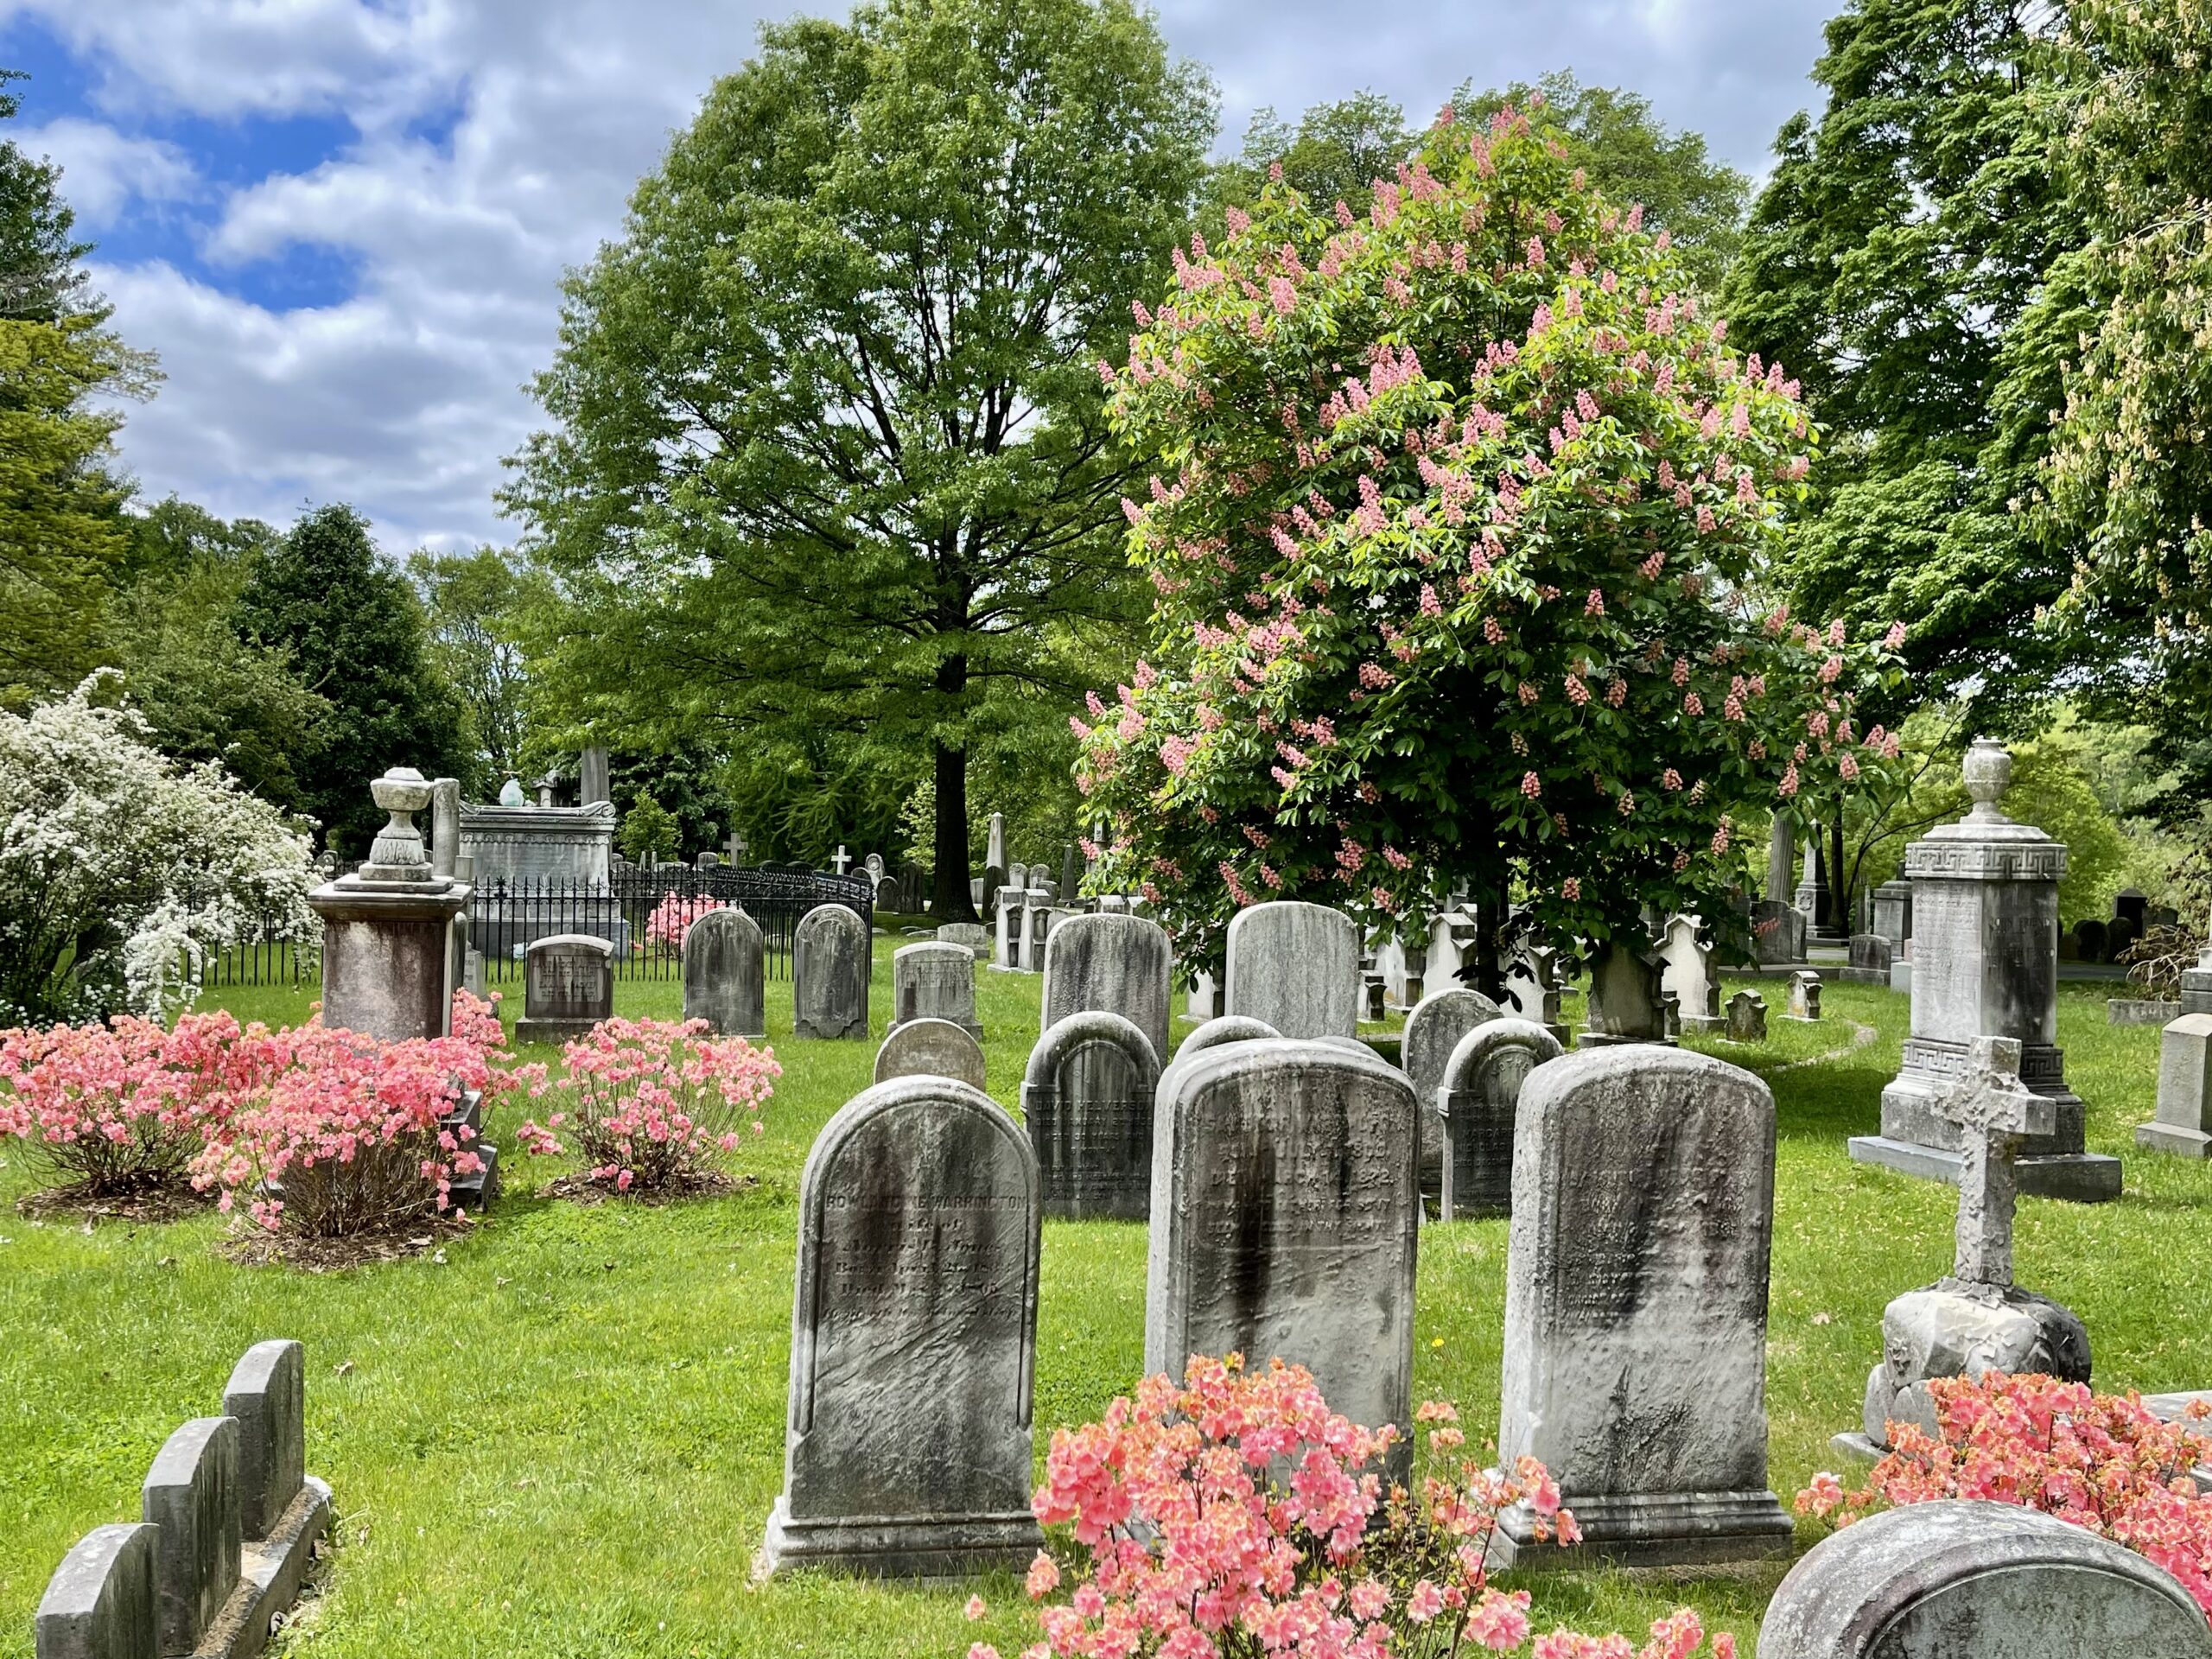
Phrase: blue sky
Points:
(342, 224)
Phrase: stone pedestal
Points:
(2184, 1124)
(1985, 964)
(388, 957)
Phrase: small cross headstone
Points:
(1993, 1112)
(736, 847)
(843, 861)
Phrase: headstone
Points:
(1005, 930)
(1479, 1100)
(1432, 1031)
(191, 1494)
(1685, 969)
(995, 845)
(2089, 937)
(1780, 850)
(1975, 1319)
(1624, 1005)
(267, 1395)
(1119, 964)
(1204, 1001)
(1893, 914)
(1804, 996)
(1777, 934)
(931, 1048)
(2183, 1123)
(1295, 966)
(445, 825)
(875, 866)
(2120, 934)
(932, 981)
(1746, 1018)
(908, 1447)
(568, 987)
(830, 961)
(1226, 1028)
(2133, 907)
(1284, 1217)
(388, 961)
(1070, 872)
(1636, 1302)
(592, 774)
(1960, 1580)
(726, 974)
(842, 861)
(1087, 1099)
(1985, 893)
(890, 898)
(974, 936)
(1532, 991)
(1871, 956)
(100, 1604)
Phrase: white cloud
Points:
(541, 115)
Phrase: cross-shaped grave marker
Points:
(736, 847)
(843, 861)
(1995, 1112)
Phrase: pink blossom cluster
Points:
(649, 1103)
(671, 919)
(2101, 1461)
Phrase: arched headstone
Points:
(1087, 1098)
(934, 981)
(931, 1048)
(1119, 964)
(1295, 966)
(1434, 1029)
(1477, 1101)
(725, 973)
(829, 955)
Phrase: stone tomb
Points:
(1432, 1031)
(1985, 893)
(1954, 1580)
(725, 974)
(1295, 966)
(908, 1442)
(1285, 1213)
(931, 1048)
(1478, 1102)
(1087, 1098)
(1119, 964)
(932, 981)
(829, 964)
(568, 987)
(1636, 1302)
(1687, 971)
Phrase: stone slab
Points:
(1113, 962)
(933, 981)
(267, 1394)
(100, 1602)
(829, 971)
(726, 974)
(192, 1495)
(1296, 967)
(1087, 1099)
(931, 1048)
(270, 1572)
(2080, 1177)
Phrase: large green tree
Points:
(42, 278)
(828, 456)
(353, 631)
(473, 602)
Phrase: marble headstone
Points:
(1804, 996)
(1117, 963)
(1532, 991)
(568, 987)
(191, 1494)
(1746, 1018)
(1296, 966)
(1434, 1029)
(1087, 1097)
(1477, 1101)
(1625, 999)
(1685, 969)
(931, 1048)
(1636, 1302)
(932, 981)
(830, 961)
(908, 1443)
(2184, 1123)
(725, 973)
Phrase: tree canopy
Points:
(829, 459)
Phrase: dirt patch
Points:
(257, 1248)
(149, 1208)
(706, 1184)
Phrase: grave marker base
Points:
(2079, 1178)
(1670, 1529)
(553, 1031)
(912, 1547)
(271, 1571)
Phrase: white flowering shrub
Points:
(123, 872)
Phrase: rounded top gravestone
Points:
(1121, 964)
(931, 1048)
(1477, 1102)
(934, 981)
(1296, 966)
(1954, 1580)
(830, 961)
(1214, 1034)
(1087, 1096)
(1434, 1027)
(725, 973)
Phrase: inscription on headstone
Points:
(830, 961)
(1477, 1102)
(567, 987)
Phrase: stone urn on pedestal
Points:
(390, 949)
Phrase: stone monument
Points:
(930, 981)
(1804, 996)
(1746, 1021)
(829, 964)
(1685, 969)
(725, 974)
(1087, 1098)
(1872, 957)
(2183, 1123)
(1986, 964)
(389, 962)
(1532, 991)
(1478, 1102)
(1636, 1303)
(1119, 964)
(1296, 967)
(1893, 914)
(908, 1444)
(1625, 1004)
(567, 982)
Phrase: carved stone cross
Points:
(1995, 1111)
(843, 861)
(736, 847)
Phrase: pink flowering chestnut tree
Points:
(1460, 536)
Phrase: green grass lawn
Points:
(563, 1440)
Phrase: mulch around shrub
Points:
(706, 1184)
(252, 1247)
(72, 1202)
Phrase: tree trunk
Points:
(1839, 877)
(951, 899)
(1490, 918)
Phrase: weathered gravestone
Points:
(390, 966)
(1087, 1098)
(1954, 1580)
(931, 1048)
(2089, 938)
(830, 961)
(1625, 1000)
(568, 987)
(1636, 1301)
(1532, 991)
(890, 896)
(1285, 1212)
(1985, 893)
(101, 1602)
(1746, 1018)
(1432, 1031)
(1117, 963)
(1976, 1319)
(1777, 934)
(1871, 957)
(2183, 1123)
(908, 1448)
(191, 1494)
(1685, 969)
(1295, 966)
(934, 981)
(726, 974)
(973, 935)
(1804, 996)
(1478, 1102)
(1893, 912)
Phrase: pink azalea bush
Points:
(123, 1108)
(671, 919)
(350, 1134)
(649, 1103)
(1234, 1514)
(2099, 1460)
